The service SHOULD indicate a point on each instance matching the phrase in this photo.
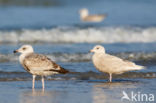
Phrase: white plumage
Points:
(111, 64)
(84, 16)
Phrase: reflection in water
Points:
(40, 96)
(82, 92)
(76, 95)
(110, 92)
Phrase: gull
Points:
(111, 64)
(84, 16)
(38, 64)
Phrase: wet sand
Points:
(56, 31)
(85, 84)
(71, 91)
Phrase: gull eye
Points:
(97, 48)
(24, 48)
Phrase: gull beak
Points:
(15, 51)
(91, 51)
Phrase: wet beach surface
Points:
(73, 91)
(53, 28)
(85, 84)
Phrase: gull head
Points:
(83, 12)
(24, 49)
(98, 49)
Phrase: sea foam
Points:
(79, 35)
(86, 57)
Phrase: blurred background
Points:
(39, 14)
(54, 28)
(58, 21)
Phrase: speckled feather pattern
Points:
(39, 64)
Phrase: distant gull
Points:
(111, 64)
(38, 64)
(84, 16)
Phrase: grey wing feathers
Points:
(117, 62)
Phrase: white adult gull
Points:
(86, 17)
(111, 64)
(38, 64)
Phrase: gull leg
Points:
(43, 82)
(33, 81)
(110, 77)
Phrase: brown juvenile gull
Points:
(38, 64)
(84, 16)
(111, 64)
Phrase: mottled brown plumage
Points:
(38, 64)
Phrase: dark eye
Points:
(97, 48)
(24, 48)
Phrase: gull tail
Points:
(63, 71)
(138, 67)
(135, 67)
(104, 15)
(58, 69)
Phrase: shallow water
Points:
(53, 28)
(121, 12)
(85, 84)
(74, 91)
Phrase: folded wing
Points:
(38, 62)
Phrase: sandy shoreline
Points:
(72, 91)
